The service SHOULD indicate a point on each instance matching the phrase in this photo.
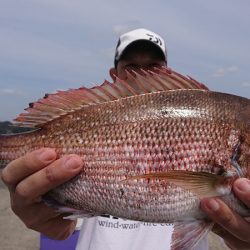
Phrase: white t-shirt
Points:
(109, 233)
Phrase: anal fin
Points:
(187, 235)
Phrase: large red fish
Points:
(152, 146)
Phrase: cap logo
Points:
(154, 39)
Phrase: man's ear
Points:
(113, 73)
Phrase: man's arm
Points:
(234, 229)
(31, 176)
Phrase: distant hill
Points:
(7, 127)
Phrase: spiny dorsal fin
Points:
(55, 105)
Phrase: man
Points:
(42, 171)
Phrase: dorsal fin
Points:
(55, 105)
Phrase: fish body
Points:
(149, 156)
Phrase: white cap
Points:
(138, 35)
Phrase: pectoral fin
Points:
(202, 184)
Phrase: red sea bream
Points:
(153, 145)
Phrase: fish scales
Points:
(147, 156)
(174, 130)
(167, 109)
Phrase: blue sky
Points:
(46, 45)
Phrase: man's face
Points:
(134, 62)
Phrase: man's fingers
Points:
(27, 165)
(31, 176)
(67, 227)
(241, 188)
(231, 241)
(37, 213)
(224, 216)
(44, 219)
(47, 178)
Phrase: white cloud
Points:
(7, 91)
(220, 72)
(232, 69)
(245, 84)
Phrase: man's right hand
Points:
(31, 176)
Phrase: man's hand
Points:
(234, 229)
(31, 176)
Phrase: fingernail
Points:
(212, 205)
(73, 163)
(243, 185)
(46, 154)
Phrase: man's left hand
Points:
(234, 229)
